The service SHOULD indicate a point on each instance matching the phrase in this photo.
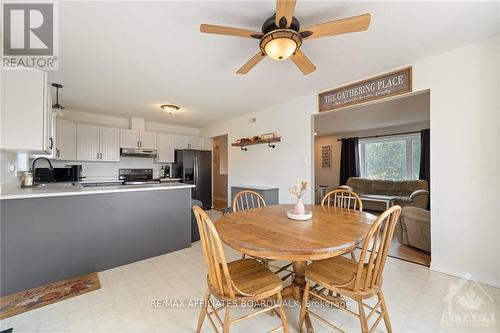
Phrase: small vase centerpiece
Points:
(298, 212)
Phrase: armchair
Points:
(414, 228)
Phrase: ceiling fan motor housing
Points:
(269, 25)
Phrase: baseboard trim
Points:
(481, 278)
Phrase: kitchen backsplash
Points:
(6, 159)
(98, 170)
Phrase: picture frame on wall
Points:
(326, 157)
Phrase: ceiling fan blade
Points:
(221, 30)
(303, 62)
(284, 13)
(251, 63)
(338, 27)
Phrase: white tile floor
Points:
(123, 304)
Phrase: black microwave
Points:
(47, 175)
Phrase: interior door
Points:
(109, 144)
(87, 138)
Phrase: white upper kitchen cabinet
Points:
(148, 140)
(65, 140)
(109, 144)
(195, 142)
(129, 138)
(96, 143)
(26, 115)
(187, 142)
(180, 142)
(87, 138)
(165, 146)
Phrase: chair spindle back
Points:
(342, 199)
(377, 242)
(247, 200)
(218, 273)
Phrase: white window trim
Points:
(409, 150)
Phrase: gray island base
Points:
(48, 239)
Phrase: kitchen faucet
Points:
(33, 165)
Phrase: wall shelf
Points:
(269, 142)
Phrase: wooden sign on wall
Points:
(381, 86)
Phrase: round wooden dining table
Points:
(268, 233)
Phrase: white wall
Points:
(288, 163)
(465, 158)
(465, 125)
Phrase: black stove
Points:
(136, 176)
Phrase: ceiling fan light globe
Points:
(280, 48)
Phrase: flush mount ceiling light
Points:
(280, 44)
(170, 108)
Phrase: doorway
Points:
(219, 172)
(388, 139)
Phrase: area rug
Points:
(27, 300)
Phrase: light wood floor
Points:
(407, 253)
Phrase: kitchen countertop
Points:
(96, 180)
(13, 191)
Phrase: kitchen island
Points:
(51, 234)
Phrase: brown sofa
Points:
(410, 192)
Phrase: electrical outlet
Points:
(12, 169)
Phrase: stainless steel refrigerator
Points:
(195, 167)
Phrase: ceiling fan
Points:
(282, 36)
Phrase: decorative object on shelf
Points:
(256, 140)
(170, 108)
(326, 157)
(297, 190)
(243, 140)
(268, 136)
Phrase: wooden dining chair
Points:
(343, 198)
(239, 281)
(249, 200)
(356, 280)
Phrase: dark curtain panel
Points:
(425, 155)
(349, 160)
(425, 159)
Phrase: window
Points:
(393, 157)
